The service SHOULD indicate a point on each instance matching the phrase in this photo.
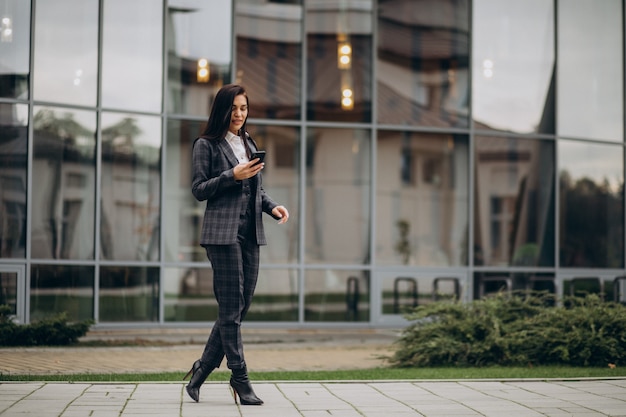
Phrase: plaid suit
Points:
(231, 236)
(213, 162)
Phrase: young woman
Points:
(232, 230)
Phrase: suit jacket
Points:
(213, 162)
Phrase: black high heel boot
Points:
(199, 373)
(240, 383)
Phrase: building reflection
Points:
(410, 178)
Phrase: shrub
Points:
(54, 331)
(519, 330)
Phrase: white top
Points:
(237, 146)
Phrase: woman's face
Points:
(239, 113)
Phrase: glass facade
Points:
(427, 151)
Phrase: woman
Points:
(232, 232)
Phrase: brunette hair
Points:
(219, 119)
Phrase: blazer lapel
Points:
(228, 152)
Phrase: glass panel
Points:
(281, 182)
(8, 290)
(423, 62)
(131, 181)
(132, 58)
(276, 296)
(183, 235)
(129, 293)
(422, 199)
(591, 205)
(58, 289)
(13, 179)
(14, 48)
(514, 202)
(338, 181)
(590, 77)
(402, 292)
(339, 60)
(513, 65)
(64, 163)
(197, 67)
(269, 49)
(66, 51)
(189, 294)
(336, 295)
(492, 283)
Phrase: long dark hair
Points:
(219, 119)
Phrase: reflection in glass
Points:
(188, 294)
(514, 202)
(199, 54)
(56, 289)
(131, 172)
(8, 291)
(423, 62)
(591, 205)
(338, 187)
(404, 291)
(421, 199)
(336, 295)
(280, 181)
(184, 212)
(132, 58)
(276, 296)
(63, 209)
(269, 49)
(591, 78)
(339, 60)
(13, 179)
(129, 294)
(513, 65)
(14, 48)
(66, 57)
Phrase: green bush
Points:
(520, 330)
(54, 331)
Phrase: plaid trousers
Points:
(235, 273)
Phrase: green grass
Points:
(454, 373)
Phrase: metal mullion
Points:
(29, 165)
(302, 164)
(375, 285)
(164, 124)
(98, 185)
(469, 282)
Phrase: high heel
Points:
(240, 384)
(191, 371)
(199, 373)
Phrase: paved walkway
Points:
(321, 399)
(268, 350)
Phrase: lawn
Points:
(377, 374)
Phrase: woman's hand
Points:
(247, 170)
(281, 213)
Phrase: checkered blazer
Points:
(213, 162)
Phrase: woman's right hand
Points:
(247, 169)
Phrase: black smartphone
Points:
(258, 154)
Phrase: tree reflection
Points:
(64, 162)
(592, 226)
(130, 188)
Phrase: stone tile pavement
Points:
(523, 398)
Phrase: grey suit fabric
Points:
(232, 231)
(234, 297)
(213, 162)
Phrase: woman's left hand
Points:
(281, 213)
